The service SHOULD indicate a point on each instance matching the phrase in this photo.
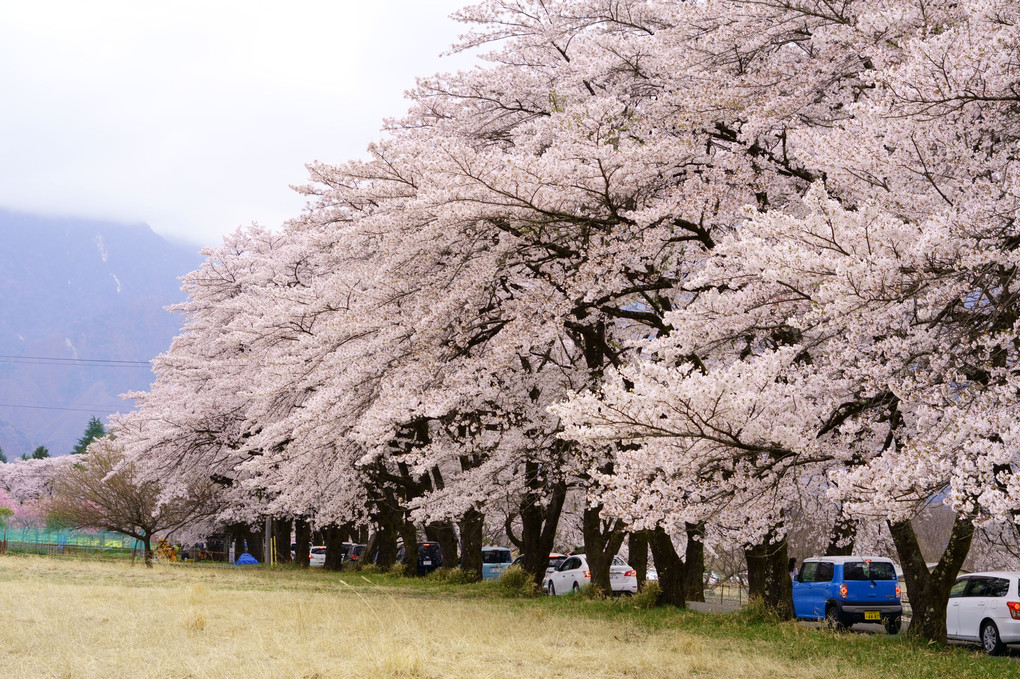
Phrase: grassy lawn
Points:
(64, 617)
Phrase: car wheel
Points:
(990, 639)
(552, 589)
(892, 626)
(832, 620)
(576, 588)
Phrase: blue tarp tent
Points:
(246, 559)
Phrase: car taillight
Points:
(843, 590)
(1014, 609)
(898, 591)
(587, 574)
(630, 574)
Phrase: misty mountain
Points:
(89, 293)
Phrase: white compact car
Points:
(317, 557)
(985, 607)
(573, 574)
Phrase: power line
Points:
(84, 362)
(109, 408)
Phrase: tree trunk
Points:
(601, 543)
(471, 527)
(371, 551)
(768, 579)
(539, 520)
(281, 538)
(670, 567)
(844, 534)
(334, 556)
(361, 534)
(444, 533)
(409, 533)
(694, 562)
(147, 545)
(637, 548)
(256, 545)
(384, 554)
(303, 537)
(929, 592)
(247, 540)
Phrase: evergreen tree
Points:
(40, 453)
(93, 431)
(3, 458)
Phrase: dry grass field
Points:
(78, 618)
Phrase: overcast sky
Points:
(195, 117)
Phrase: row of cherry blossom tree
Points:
(697, 268)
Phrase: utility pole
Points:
(268, 560)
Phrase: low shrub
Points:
(757, 612)
(516, 583)
(458, 576)
(593, 594)
(648, 597)
(368, 569)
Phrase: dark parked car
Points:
(430, 557)
(351, 552)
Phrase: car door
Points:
(953, 607)
(988, 602)
(821, 588)
(562, 577)
(972, 608)
(802, 589)
(580, 575)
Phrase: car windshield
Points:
(496, 556)
(868, 570)
(555, 561)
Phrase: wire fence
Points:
(726, 592)
(65, 541)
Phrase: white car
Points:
(573, 574)
(985, 607)
(317, 557)
(554, 561)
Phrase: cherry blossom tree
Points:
(762, 250)
(863, 336)
(101, 491)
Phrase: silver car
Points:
(573, 574)
(985, 607)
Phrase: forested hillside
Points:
(90, 293)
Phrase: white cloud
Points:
(196, 116)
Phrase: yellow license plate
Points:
(872, 615)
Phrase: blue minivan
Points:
(844, 590)
(495, 560)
